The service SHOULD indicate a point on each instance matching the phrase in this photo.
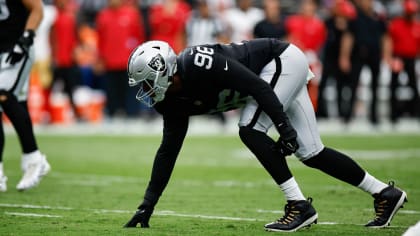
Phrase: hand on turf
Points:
(141, 217)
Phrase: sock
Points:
(371, 185)
(31, 155)
(291, 190)
(1, 169)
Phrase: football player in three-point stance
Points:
(267, 78)
(18, 21)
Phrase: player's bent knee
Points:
(7, 98)
(245, 133)
(250, 135)
(4, 96)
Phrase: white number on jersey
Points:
(203, 57)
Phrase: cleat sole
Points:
(312, 220)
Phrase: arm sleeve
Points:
(174, 132)
(240, 78)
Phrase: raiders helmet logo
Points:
(157, 63)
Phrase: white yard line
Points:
(169, 213)
(99, 211)
(28, 206)
(31, 214)
(409, 212)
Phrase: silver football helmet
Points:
(151, 66)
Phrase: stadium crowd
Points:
(82, 47)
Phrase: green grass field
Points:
(217, 187)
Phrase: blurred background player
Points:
(63, 37)
(364, 44)
(272, 26)
(18, 21)
(306, 30)
(167, 21)
(404, 32)
(203, 27)
(337, 24)
(120, 29)
(242, 19)
(43, 57)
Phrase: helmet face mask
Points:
(151, 67)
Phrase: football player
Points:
(18, 21)
(266, 78)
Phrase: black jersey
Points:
(214, 78)
(13, 17)
(218, 78)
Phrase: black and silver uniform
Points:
(13, 17)
(217, 78)
(214, 78)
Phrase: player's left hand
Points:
(21, 48)
(141, 217)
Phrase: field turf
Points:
(217, 188)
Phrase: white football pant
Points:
(291, 90)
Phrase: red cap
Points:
(346, 8)
(410, 6)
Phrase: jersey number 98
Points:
(203, 57)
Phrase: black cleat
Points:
(297, 214)
(141, 216)
(386, 204)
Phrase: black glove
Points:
(287, 147)
(141, 216)
(287, 143)
(21, 48)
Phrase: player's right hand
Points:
(287, 147)
(287, 143)
(141, 217)
(21, 48)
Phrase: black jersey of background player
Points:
(13, 17)
(218, 78)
